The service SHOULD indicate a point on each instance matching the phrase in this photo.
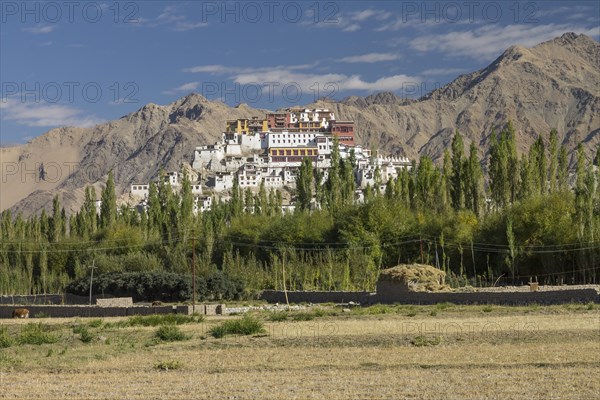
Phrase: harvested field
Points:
(443, 351)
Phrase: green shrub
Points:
(36, 334)
(167, 365)
(41, 314)
(85, 335)
(170, 333)
(161, 286)
(95, 323)
(278, 316)
(164, 319)
(303, 316)
(247, 325)
(373, 310)
(421, 341)
(5, 339)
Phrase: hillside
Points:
(552, 85)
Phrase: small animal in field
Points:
(20, 313)
(157, 303)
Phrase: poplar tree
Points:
(553, 165)
(457, 185)
(108, 208)
(304, 182)
(56, 221)
(563, 170)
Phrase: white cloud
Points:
(489, 41)
(363, 15)
(351, 21)
(351, 28)
(172, 17)
(442, 71)
(40, 30)
(185, 88)
(279, 76)
(371, 58)
(45, 115)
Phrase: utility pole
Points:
(92, 279)
(193, 272)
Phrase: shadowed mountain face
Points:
(555, 84)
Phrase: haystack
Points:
(415, 277)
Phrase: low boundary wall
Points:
(278, 296)
(57, 311)
(394, 296)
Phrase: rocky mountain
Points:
(555, 84)
(552, 85)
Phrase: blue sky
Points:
(81, 63)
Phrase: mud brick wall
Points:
(389, 293)
(278, 296)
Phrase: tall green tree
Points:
(304, 183)
(108, 208)
(553, 165)
(457, 179)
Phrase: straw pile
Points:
(415, 277)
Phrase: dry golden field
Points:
(390, 352)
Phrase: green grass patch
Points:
(168, 365)
(303, 316)
(376, 309)
(95, 323)
(278, 316)
(247, 325)
(36, 334)
(5, 339)
(421, 341)
(41, 314)
(156, 320)
(170, 333)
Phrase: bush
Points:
(163, 319)
(161, 286)
(247, 325)
(303, 316)
(5, 339)
(86, 335)
(167, 365)
(95, 323)
(421, 341)
(36, 334)
(278, 316)
(222, 287)
(170, 333)
(141, 286)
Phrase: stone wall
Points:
(389, 293)
(58, 311)
(277, 296)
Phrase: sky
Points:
(76, 63)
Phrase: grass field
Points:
(444, 351)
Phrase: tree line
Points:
(532, 218)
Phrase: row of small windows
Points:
(298, 152)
